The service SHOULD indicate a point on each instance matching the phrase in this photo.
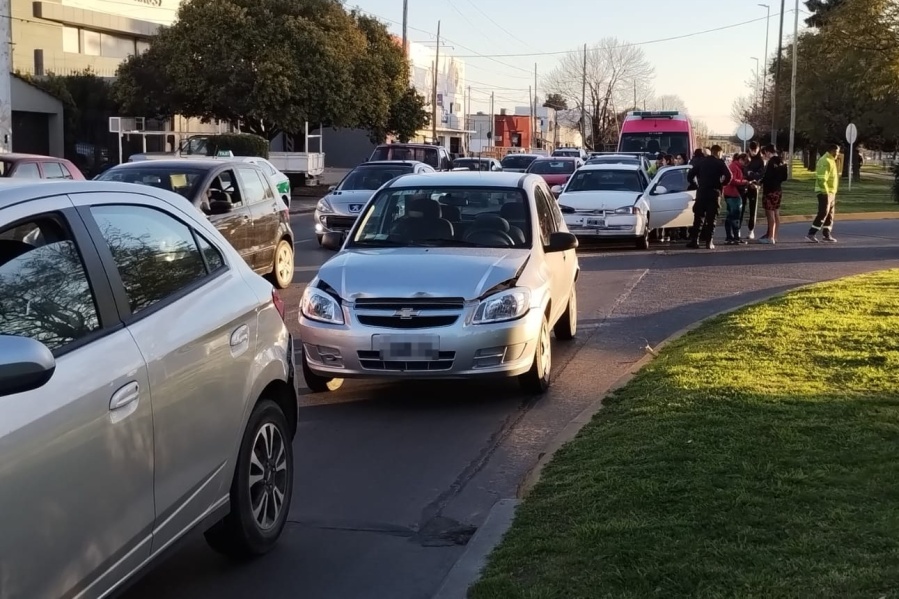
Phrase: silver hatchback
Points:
(445, 275)
(146, 388)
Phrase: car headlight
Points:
(566, 209)
(318, 305)
(627, 210)
(324, 206)
(506, 305)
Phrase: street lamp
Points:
(756, 79)
(767, 30)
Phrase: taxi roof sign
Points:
(225, 154)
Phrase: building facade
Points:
(451, 132)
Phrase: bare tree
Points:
(667, 102)
(615, 73)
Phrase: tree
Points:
(667, 102)
(614, 72)
(821, 10)
(556, 101)
(407, 116)
(269, 65)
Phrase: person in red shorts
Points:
(772, 191)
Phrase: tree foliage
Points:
(556, 101)
(820, 10)
(270, 65)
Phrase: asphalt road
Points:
(392, 480)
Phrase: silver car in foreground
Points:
(445, 275)
(146, 388)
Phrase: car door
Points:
(237, 225)
(557, 267)
(52, 170)
(265, 214)
(674, 208)
(76, 455)
(194, 319)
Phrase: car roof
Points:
(474, 158)
(389, 163)
(464, 178)
(14, 191)
(522, 155)
(14, 156)
(557, 158)
(202, 163)
(615, 156)
(409, 145)
(615, 166)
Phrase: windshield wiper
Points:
(443, 243)
(379, 243)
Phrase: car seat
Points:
(490, 230)
(516, 215)
(422, 221)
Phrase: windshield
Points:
(446, 217)
(669, 143)
(370, 178)
(552, 167)
(567, 153)
(472, 164)
(513, 161)
(182, 181)
(613, 160)
(605, 180)
(397, 152)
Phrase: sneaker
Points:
(812, 238)
(767, 240)
(741, 241)
(710, 245)
(752, 235)
(829, 239)
(730, 242)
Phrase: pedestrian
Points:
(710, 175)
(753, 172)
(772, 192)
(698, 155)
(827, 176)
(680, 159)
(733, 201)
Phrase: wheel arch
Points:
(280, 392)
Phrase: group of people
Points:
(758, 174)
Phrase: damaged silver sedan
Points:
(444, 275)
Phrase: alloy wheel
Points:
(268, 475)
(284, 262)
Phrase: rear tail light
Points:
(279, 304)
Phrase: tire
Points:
(643, 242)
(282, 268)
(264, 470)
(319, 238)
(316, 382)
(538, 379)
(566, 328)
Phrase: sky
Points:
(708, 69)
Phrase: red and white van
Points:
(666, 131)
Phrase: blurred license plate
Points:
(595, 222)
(406, 347)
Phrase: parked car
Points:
(555, 171)
(146, 388)
(477, 164)
(35, 166)
(606, 202)
(517, 163)
(437, 157)
(430, 284)
(338, 211)
(614, 158)
(238, 198)
(579, 153)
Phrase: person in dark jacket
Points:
(753, 172)
(772, 191)
(710, 175)
(698, 155)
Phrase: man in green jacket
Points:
(827, 176)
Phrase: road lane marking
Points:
(306, 269)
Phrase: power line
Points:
(501, 28)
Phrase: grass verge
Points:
(871, 194)
(758, 456)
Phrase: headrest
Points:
(423, 208)
(513, 211)
(491, 222)
(451, 213)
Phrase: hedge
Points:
(241, 144)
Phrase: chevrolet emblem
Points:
(406, 313)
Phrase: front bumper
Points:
(503, 349)
(333, 223)
(609, 226)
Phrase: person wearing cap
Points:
(710, 175)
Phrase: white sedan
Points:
(606, 202)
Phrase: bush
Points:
(241, 144)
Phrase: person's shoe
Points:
(692, 245)
(742, 241)
(730, 241)
(766, 240)
(710, 245)
(829, 239)
(752, 235)
(812, 238)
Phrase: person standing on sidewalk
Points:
(827, 177)
(710, 175)
(753, 172)
(772, 192)
(733, 201)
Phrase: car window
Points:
(213, 257)
(66, 173)
(606, 180)
(267, 167)
(226, 183)
(27, 170)
(370, 178)
(155, 253)
(675, 180)
(545, 218)
(44, 290)
(52, 170)
(183, 181)
(552, 167)
(253, 187)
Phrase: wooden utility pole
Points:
(535, 103)
(793, 91)
(584, 100)
(405, 27)
(780, 37)
(434, 94)
(490, 132)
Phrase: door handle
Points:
(128, 394)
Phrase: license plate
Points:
(595, 222)
(406, 347)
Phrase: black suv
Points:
(434, 156)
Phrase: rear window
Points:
(474, 165)
(566, 153)
(372, 177)
(398, 152)
(181, 181)
(552, 167)
(513, 161)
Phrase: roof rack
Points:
(655, 114)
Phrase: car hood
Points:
(342, 200)
(598, 200)
(421, 272)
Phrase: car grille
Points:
(590, 211)
(371, 360)
(417, 313)
(339, 223)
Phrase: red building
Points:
(513, 131)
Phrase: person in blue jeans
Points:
(733, 199)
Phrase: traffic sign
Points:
(851, 133)
(745, 132)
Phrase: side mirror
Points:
(220, 207)
(556, 189)
(561, 241)
(25, 364)
(332, 188)
(332, 241)
(659, 190)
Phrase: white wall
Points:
(450, 83)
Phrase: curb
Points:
(467, 568)
(849, 216)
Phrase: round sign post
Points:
(745, 133)
(851, 136)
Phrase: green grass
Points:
(757, 457)
(868, 195)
